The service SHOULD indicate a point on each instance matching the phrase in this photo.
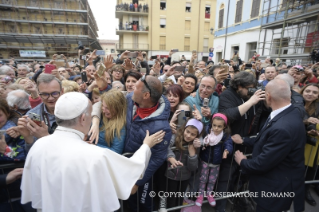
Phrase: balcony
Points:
(132, 29)
(132, 46)
(124, 9)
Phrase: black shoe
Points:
(317, 189)
(310, 199)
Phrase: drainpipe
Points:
(226, 29)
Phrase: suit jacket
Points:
(277, 163)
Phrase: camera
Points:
(311, 127)
(311, 140)
(252, 91)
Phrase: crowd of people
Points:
(132, 7)
(209, 115)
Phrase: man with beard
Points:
(240, 108)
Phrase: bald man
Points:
(277, 166)
(147, 109)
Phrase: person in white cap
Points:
(64, 173)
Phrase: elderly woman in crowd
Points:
(18, 101)
(310, 93)
(11, 149)
(70, 86)
(23, 70)
(7, 71)
(113, 119)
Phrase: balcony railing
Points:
(133, 27)
(132, 46)
(131, 8)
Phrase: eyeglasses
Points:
(143, 79)
(54, 94)
(119, 72)
(208, 88)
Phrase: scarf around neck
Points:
(144, 112)
(213, 139)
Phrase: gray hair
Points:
(20, 98)
(47, 78)
(287, 78)
(210, 76)
(117, 82)
(72, 122)
(5, 69)
(24, 66)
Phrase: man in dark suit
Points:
(277, 166)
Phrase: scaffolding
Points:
(289, 30)
(54, 26)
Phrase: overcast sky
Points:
(104, 13)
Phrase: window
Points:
(252, 48)
(188, 7)
(163, 22)
(187, 25)
(205, 46)
(187, 44)
(163, 5)
(112, 51)
(221, 17)
(239, 9)
(206, 27)
(162, 43)
(60, 31)
(255, 9)
(37, 30)
(12, 29)
(284, 46)
(207, 11)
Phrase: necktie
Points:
(267, 122)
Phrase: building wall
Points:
(32, 23)
(108, 45)
(175, 31)
(241, 34)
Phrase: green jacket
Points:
(213, 104)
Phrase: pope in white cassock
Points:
(64, 173)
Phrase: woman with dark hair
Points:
(174, 94)
(310, 93)
(189, 84)
(11, 149)
(130, 80)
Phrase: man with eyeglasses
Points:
(50, 89)
(147, 109)
(206, 90)
(171, 73)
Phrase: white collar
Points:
(65, 129)
(276, 112)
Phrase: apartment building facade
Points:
(156, 26)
